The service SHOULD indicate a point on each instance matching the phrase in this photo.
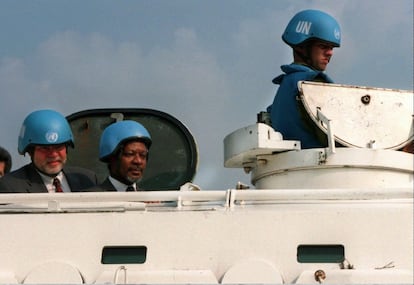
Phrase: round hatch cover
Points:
(173, 155)
(361, 116)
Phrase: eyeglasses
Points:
(50, 148)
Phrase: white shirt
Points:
(48, 181)
(119, 186)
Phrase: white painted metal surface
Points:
(346, 168)
(336, 216)
(245, 144)
(214, 238)
(278, 164)
(361, 116)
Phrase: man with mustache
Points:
(124, 146)
(46, 135)
(312, 35)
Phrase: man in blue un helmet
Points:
(312, 35)
(46, 135)
(124, 146)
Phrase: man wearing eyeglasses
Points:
(46, 135)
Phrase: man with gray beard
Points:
(46, 136)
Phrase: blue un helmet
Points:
(118, 133)
(44, 127)
(312, 24)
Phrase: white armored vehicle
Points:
(329, 215)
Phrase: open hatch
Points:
(361, 117)
(173, 155)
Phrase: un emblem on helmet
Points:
(337, 34)
(52, 137)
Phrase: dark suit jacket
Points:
(27, 180)
(106, 185)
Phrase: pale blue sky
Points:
(207, 63)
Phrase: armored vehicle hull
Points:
(340, 214)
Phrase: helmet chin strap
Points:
(304, 58)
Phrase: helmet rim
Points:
(120, 133)
(309, 25)
(44, 127)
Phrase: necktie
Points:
(58, 186)
(130, 188)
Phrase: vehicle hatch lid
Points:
(361, 116)
(173, 155)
